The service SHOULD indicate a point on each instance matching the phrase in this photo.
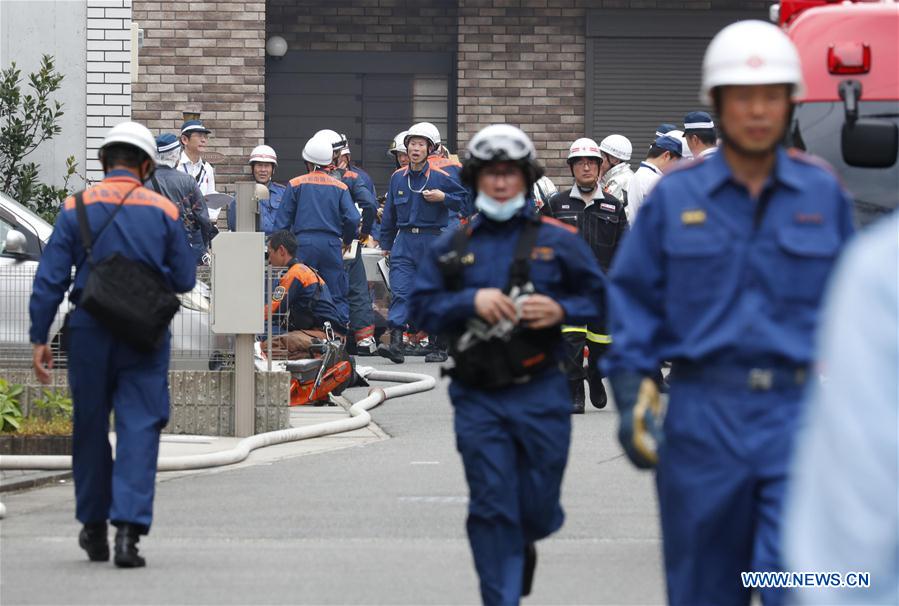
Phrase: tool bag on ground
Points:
(129, 298)
(492, 357)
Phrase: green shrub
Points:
(26, 121)
(55, 404)
(10, 412)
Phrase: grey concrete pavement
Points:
(378, 521)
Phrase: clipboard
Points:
(350, 254)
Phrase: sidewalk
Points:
(180, 445)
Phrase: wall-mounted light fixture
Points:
(276, 47)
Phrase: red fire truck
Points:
(849, 114)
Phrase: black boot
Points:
(438, 353)
(598, 396)
(530, 564)
(126, 547)
(394, 351)
(437, 356)
(92, 539)
(577, 396)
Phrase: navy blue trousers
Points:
(721, 481)
(324, 253)
(107, 375)
(408, 249)
(514, 445)
(359, 297)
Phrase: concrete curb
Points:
(34, 480)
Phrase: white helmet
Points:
(345, 150)
(679, 136)
(318, 150)
(398, 145)
(336, 140)
(134, 134)
(423, 129)
(617, 146)
(263, 153)
(750, 52)
(501, 143)
(583, 148)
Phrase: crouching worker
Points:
(301, 302)
(311, 336)
(498, 291)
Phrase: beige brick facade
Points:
(207, 57)
(364, 25)
(523, 62)
(518, 61)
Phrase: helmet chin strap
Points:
(585, 190)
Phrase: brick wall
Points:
(523, 62)
(108, 99)
(364, 25)
(207, 57)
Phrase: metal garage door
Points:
(367, 96)
(644, 68)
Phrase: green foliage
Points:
(55, 404)
(10, 413)
(26, 121)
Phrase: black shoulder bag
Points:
(498, 362)
(129, 298)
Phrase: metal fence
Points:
(16, 280)
(194, 345)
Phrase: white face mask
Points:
(499, 211)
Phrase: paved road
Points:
(381, 523)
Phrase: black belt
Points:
(740, 377)
(422, 230)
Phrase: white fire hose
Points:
(359, 418)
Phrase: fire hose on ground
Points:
(359, 418)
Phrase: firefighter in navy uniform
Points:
(319, 210)
(601, 220)
(263, 162)
(420, 199)
(723, 274)
(105, 373)
(498, 291)
(361, 316)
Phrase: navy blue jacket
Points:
(406, 206)
(307, 298)
(361, 195)
(318, 203)
(147, 229)
(268, 209)
(701, 278)
(562, 267)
